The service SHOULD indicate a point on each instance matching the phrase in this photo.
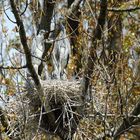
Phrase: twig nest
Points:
(64, 98)
(66, 103)
(61, 92)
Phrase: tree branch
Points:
(7, 15)
(45, 24)
(25, 8)
(29, 59)
(73, 8)
(123, 10)
(4, 122)
(48, 8)
(128, 122)
(24, 44)
(101, 19)
(11, 67)
(92, 52)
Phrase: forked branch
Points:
(29, 64)
(128, 122)
(96, 34)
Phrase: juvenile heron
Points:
(37, 50)
(60, 55)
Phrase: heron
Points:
(37, 50)
(60, 55)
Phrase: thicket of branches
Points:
(86, 82)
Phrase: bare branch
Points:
(92, 53)
(11, 67)
(128, 121)
(123, 10)
(4, 122)
(25, 8)
(7, 14)
(101, 19)
(45, 24)
(24, 43)
(73, 8)
(29, 64)
(48, 8)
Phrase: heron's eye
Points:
(54, 76)
(61, 74)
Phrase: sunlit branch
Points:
(23, 39)
(12, 67)
(29, 63)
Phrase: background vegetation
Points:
(104, 38)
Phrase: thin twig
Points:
(12, 67)
(123, 10)
(25, 8)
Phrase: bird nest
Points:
(63, 92)
(65, 101)
(58, 92)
